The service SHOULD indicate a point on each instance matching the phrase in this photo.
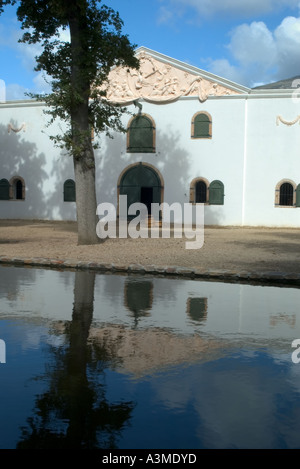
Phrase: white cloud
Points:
(165, 15)
(253, 43)
(260, 55)
(9, 37)
(42, 83)
(2, 91)
(287, 37)
(223, 68)
(238, 8)
(16, 92)
(255, 53)
(26, 54)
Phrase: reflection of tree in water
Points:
(138, 298)
(12, 279)
(74, 412)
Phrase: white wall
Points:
(249, 162)
(31, 155)
(273, 154)
(180, 159)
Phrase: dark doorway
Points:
(201, 191)
(141, 184)
(147, 197)
(286, 194)
(19, 190)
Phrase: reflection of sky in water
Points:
(234, 402)
(206, 364)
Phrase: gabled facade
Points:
(192, 137)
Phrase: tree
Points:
(75, 411)
(78, 70)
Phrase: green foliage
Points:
(77, 69)
(3, 3)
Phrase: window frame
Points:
(131, 149)
(193, 190)
(193, 127)
(13, 189)
(277, 193)
(73, 187)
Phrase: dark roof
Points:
(281, 85)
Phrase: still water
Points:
(128, 362)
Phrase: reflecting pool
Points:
(112, 361)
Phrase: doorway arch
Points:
(143, 183)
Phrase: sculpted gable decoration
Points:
(159, 82)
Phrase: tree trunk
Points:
(83, 152)
(86, 204)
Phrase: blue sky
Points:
(250, 42)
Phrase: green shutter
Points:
(141, 136)
(216, 193)
(298, 196)
(4, 189)
(69, 191)
(202, 126)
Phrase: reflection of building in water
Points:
(197, 309)
(138, 297)
(150, 350)
(284, 318)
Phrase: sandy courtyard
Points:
(230, 248)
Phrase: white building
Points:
(192, 137)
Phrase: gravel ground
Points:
(231, 248)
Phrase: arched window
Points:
(285, 194)
(200, 192)
(202, 125)
(4, 189)
(141, 183)
(17, 188)
(141, 135)
(69, 191)
(203, 192)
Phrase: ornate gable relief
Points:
(159, 82)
